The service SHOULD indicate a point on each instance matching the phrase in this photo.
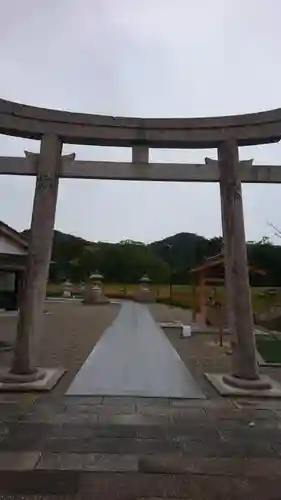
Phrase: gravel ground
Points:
(72, 330)
(70, 333)
(164, 313)
(201, 353)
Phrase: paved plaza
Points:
(145, 447)
(109, 447)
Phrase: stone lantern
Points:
(93, 290)
(96, 278)
(144, 294)
(145, 281)
(67, 289)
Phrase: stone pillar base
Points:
(43, 379)
(229, 385)
(145, 296)
(92, 301)
(241, 383)
(16, 378)
(94, 296)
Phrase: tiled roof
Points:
(13, 235)
(218, 260)
(210, 262)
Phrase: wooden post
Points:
(202, 299)
(194, 302)
(220, 320)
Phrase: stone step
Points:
(134, 486)
(261, 439)
(211, 466)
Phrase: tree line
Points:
(167, 260)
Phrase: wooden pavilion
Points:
(208, 282)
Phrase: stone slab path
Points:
(135, 358)
(134, 448)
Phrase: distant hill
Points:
(76, 258)
(183, 251)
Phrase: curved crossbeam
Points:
(77, 128)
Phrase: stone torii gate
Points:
(226, 134)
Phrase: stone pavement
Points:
(135, 357)
(132, 448)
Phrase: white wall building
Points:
(13, 253)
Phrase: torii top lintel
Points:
(78, 128)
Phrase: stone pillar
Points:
(227, 268)
(140, 154)
(236, 271)
(39, 253)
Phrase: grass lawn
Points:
(269, 348)
(5, 346)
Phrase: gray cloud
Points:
(141, 58)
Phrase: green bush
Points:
(54, 294)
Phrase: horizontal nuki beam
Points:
(173, 172)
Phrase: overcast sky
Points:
(155, 58)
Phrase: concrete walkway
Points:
(134, 357)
